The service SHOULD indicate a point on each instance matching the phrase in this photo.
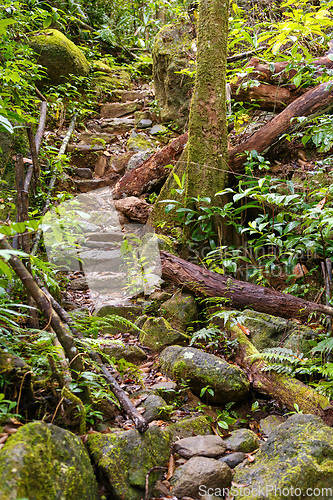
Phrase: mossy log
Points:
(287, 390)
(142, 178)
(238, 294)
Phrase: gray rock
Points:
(101, 260)
(168, 390)
(134, 208)
(233, 459)
(270, 423)
(123, 459)
(126, 310)
(204, 446)
(242, 440)
(85, 173)
(42, 461)
(79, 284)
(159, 333)
(158, 129)
(201, 369)
(117, 109)
(298, 454)
(154, 408)
(180, 310)
(117, 125)
(137, 159)
(199, 471)
(144, 123)
(132, 353)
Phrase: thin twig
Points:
(156, 467)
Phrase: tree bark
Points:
(287, 390)
(207, 162)
(237, 294)
(142, 178)
(314, 102)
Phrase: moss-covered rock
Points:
(172, 46)
(139, 143)
(180, 310)
(110, 77)
(42, 461)
(201, 369)
(243, 440)
(155, 406)
(124, 458)
(159, 333)
(58, 55)
(118, 350)
(298, 454)
(187, 427)
(267, 331)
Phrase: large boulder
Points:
(171, 54)
(201, 369)
(58, 55)
(43, 461)
(124, 458)
(295, 461)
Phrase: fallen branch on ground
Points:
(238, 294)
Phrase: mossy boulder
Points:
(159, 333)
(180, 310)
(43, 461)
(201, 369)
(123, 459)
(267, 331)
(171, 49)
(243, 440)
(298, 454)
(109, 77)
(118, 350)
(58, 55)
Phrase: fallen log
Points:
(269, 97)
(237, 294)
(314, 102)
(287, 390)
(142, 178)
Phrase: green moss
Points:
(139, 143)
(124, 458)
(58, 55)
(159, 333)
(43, 461)
(115, 77)
(298, 454)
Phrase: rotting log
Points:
(237, 294)
(316, 101)
(142, 178)
(285, 389)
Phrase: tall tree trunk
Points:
(207, 163)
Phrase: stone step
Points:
(118, 109)
(117, 125)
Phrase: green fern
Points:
(92, 326)
(323, 347)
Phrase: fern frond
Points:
(323, 347)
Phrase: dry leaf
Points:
(106, 153)
(244, 329)
(300, 270)
(250, 457)
(301, 155)
(3, 439)
(171, 467)
(322, 203)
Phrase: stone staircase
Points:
(87, 235)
